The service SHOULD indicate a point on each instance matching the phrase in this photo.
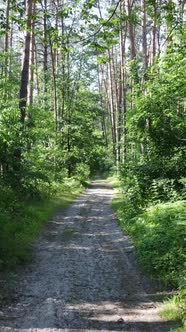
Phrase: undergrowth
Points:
(172, 310)
(21, 219)
(159, 236)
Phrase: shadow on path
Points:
(84, 276)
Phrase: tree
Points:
(23, 95)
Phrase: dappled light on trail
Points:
(84, 276)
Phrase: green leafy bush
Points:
(21, 219)
(159, 236)
(152, 181)
(82, 172)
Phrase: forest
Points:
(96, 88)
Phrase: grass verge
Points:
(158, 234)
(21, 221)
(171, 310)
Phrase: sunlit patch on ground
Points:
(83, 277)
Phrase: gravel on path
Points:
(83, 277)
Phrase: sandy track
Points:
(83, 276)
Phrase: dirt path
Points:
(83, 276)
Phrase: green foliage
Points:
(160, 240)
(82, 173)
(154, 180)
(159, 112)
(158, 229)
(101, 159)
(170, 309)
(22, 220)
(175, 307)
(37, 157)
(158, 233)
(152, 206)
(63, 133)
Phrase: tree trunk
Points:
(154, 32)
(144, 34)
(6, 48)
(128, 7)
(117, 115)
(103, 122)
(32, 60)
(123, 89)
(54, 86)
(45, 59)
(23, 95)
(112, 110)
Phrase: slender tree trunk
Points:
(32, 60)
(36, 68)
(63, 58)
(144, 34)
(103, 122)
(105, 88)
(112, 110)
(154, 32)
(123, 89)
(54, 87)
(5, 72)
(10, 45)
(45, 59)
(131, 31)
(23, 95)
(115, 88)
(69, 110)
(6, 48)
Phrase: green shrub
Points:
(159, 236)
(160, 241)
(82, 173)
(21, 220)
(153, 180)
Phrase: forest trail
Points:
(83, 276)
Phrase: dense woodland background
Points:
(92, 87)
